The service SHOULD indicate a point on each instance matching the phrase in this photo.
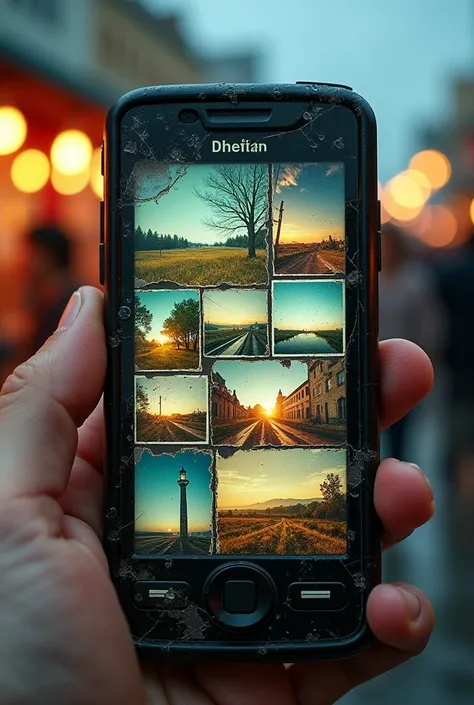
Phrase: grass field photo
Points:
(171, 409)
(308, 318)
(235, 323)
(167, 330)
(173, 503)
(207, 226)
(266, 509)
(309, 217)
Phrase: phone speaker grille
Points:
(252, 115)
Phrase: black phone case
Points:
(205, 640)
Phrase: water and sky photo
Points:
(308, 318)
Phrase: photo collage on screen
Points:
(240, 388)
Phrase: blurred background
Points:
(63, 62)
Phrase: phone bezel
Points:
(338, 633)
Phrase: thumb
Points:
(48, 397)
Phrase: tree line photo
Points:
(167, 330)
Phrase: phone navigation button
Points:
(317, 597)
(161, 596)
(239, 595)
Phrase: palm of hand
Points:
(65, 639)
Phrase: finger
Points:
(252, 684)
(403, 499)
(406, 378)
(402, 620)
(83, 496)
(47, 398)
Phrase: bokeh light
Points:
(95, 177)
(442, 229)
(421, 225)
(471, 211)
(13, 129)
(71, 152)
(69, 184)
(406, 191)
(384, 215)
(30, 171)
(435, 165)
(402, 199)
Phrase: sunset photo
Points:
(202, 225)
(264, 508)
(309, 218)
(173, 503)
(235, 323)
(308, 318)
(265, 403)
(171, 409)
(167, 327)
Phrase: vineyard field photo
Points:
(257, 535)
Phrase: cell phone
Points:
(239, 253)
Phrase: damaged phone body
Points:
(239, 254)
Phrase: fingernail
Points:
(413, 602)
(414, 465)
(70, 312)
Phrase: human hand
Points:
(64, 637)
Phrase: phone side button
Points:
(317, 597)
(101, 263)
(161, 596)
(101, 221)
(379, 236)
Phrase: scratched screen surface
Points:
(240, 401)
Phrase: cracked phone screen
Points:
(239, 354)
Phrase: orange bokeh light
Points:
(96, 180)
(392, 205)
(442, 229)
(69, 184)
(435, 165)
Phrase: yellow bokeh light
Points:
(435, 165)
(69, 184)
(422, 181)
(95, 177)
(71, 152)
(13, 129)
(406, 191)
(471, 211)
(30, 171)
(442, 229)
(396, 209)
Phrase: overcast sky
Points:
(399, 54)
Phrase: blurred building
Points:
(454, 137)
(62, 63)
(231, 68)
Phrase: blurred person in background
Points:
(456, 278)
(50, 281)
(409, 307)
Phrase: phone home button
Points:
(239, 595)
